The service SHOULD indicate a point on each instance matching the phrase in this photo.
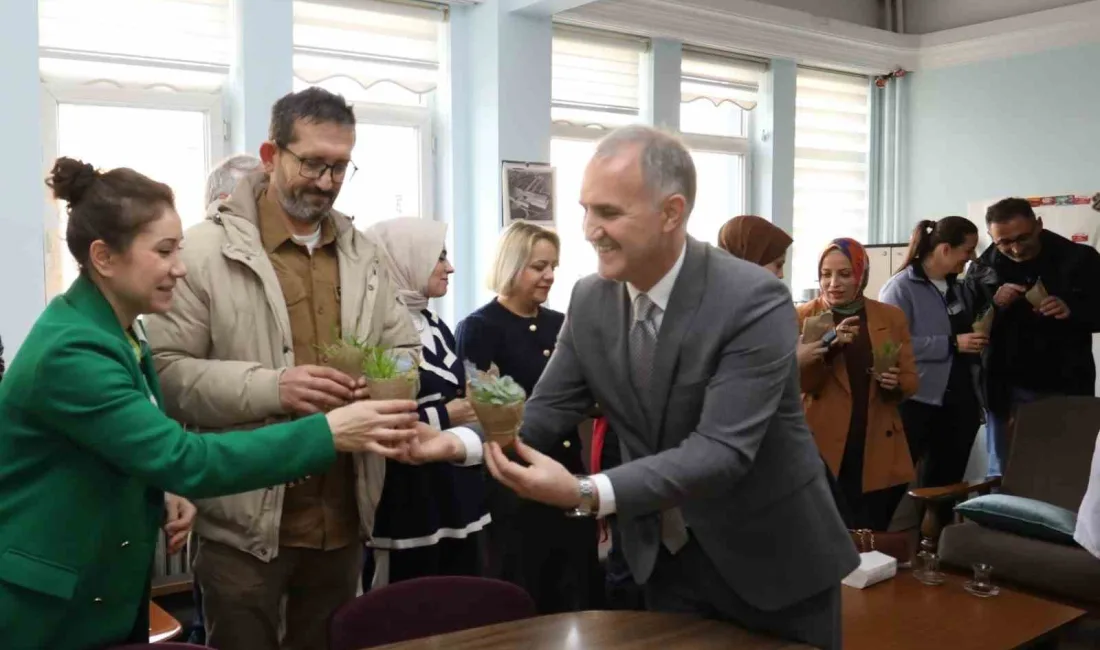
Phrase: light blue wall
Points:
(262, 68)
(1025, 125)
(772, 175)
(501, 111)
(22, 252)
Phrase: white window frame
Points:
(420, 118)
(107, 94)
(738, 146)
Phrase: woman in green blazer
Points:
(86, 455)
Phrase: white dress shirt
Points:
(1088, 517)
(660, 294)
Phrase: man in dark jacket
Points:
(1034, 351)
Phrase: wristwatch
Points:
(589, 499)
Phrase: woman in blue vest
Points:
(88, 454)
(942, 418)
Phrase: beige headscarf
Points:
(411, 248)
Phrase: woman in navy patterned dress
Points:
(554, 557)
(429, 517)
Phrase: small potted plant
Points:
(984, 324)
(886, 357)
(817, 326)
(391, 373)
(498, 403)
(346, 355)
(1037, 293)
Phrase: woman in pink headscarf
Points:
(853, 411)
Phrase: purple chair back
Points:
(414, 609)
(167, 645)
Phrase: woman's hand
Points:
(460, 412)
(889, 379)
(847, 330)
(177, 526)
(972, 343)
(810, 353)
(383, 427)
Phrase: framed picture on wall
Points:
(528, 190)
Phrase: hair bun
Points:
(70, 179)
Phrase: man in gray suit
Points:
(722, 498)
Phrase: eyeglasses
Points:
(1006, 244)
(314, 169)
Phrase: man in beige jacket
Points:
(275, 274)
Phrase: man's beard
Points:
(300, 208)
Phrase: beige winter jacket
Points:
(222, 347)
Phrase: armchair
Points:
(1050, 461)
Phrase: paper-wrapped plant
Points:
(391, 373)
(346, 355)
(1037, 293)
(497, 401)
(817, 326)
(984, 323)
(886, 357)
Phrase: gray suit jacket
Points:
(728, 442)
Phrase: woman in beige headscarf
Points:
(429, 516)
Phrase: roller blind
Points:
(831, 176)
(367, 42)
(596, 71)
(178, 30)
(719, 79)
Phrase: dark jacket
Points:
(1026, 349)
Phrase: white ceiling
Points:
(926, 16)
(920, 16)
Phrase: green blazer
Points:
(85, 458)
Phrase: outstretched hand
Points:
(431, 446)
(544, 479)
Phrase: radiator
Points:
(172, 573)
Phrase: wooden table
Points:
(903, 614)
(162, 626)
(603, 631)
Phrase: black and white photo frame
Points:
(528, 193)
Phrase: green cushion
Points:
(1026, 517)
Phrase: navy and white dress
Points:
(429, 516)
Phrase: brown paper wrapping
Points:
(883, 362)
(815, 327)
(500, 423)
(348, 360)
(1036, 294)
(984, 325)
(396, 388)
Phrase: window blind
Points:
(195, 31)
(596, 72)
(368, 43)
(831, 176)
(719, 79)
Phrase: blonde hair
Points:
(513, 250)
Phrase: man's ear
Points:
(268, 150)
(1039, 220)
(674, 212)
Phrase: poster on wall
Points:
(528, 190)
(1073, 216)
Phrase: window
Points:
(150, 70)
(831, 175)
(596, 87)
(717, 93)
(167, 145)
(384, 58)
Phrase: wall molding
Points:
(751, 27)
